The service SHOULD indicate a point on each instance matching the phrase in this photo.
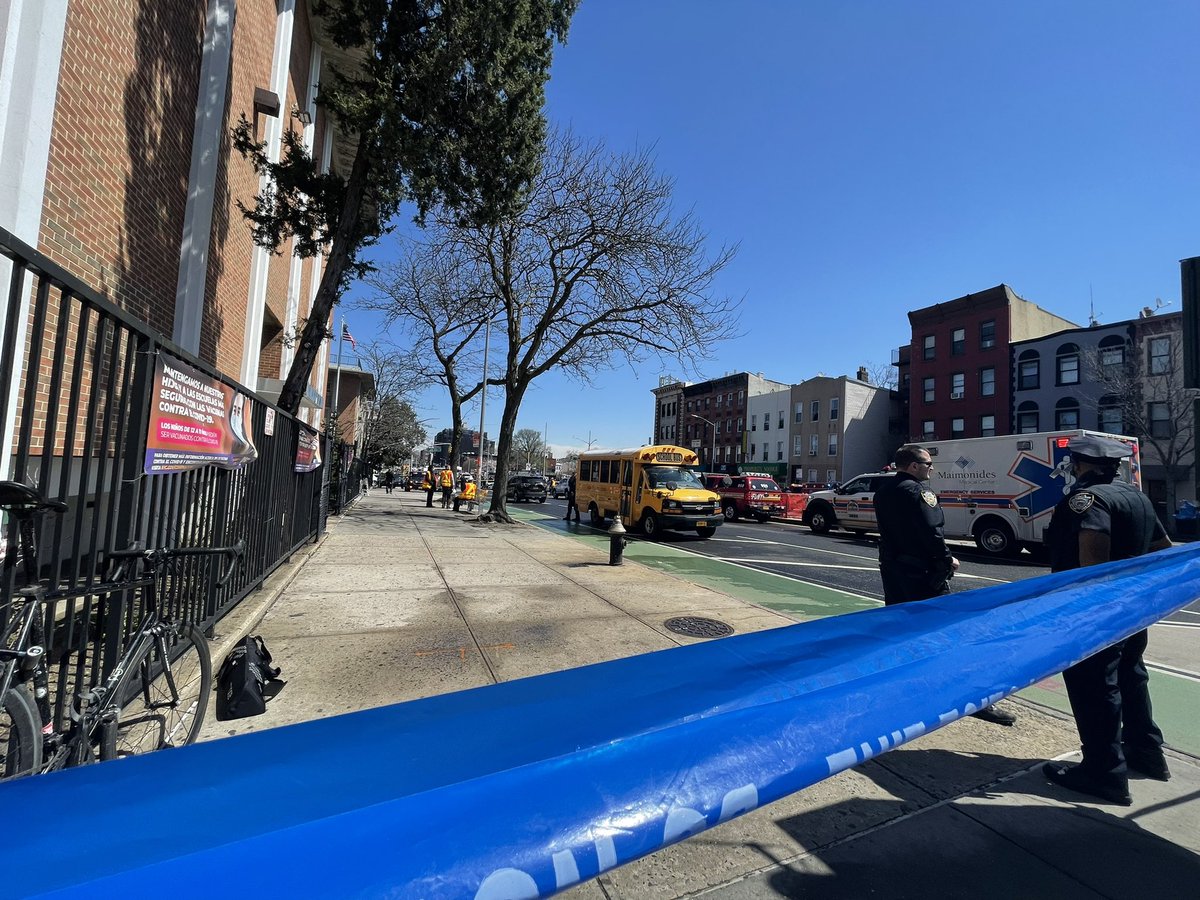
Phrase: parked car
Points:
(526, 487)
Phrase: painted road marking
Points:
(816, 565)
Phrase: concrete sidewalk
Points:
(400, 602)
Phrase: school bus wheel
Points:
(594, 517)
(649, 523)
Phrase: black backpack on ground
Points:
(246, 681)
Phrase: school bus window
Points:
(627, 469)
(672, 478)
(603, 471)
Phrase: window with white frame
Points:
(834, 408)
(778, 450)
(740, 428)
(928, 345)
(799, 411)
(766, 451)
(766, 421)
(830, 476)
(814, 410)
(781, 417)
(958, 342)
(987, 334)
(833, 441)
(1066, 364)
(929, 386)
(797, 445)
(958, 385)
(812, 474)
(814, 441)
(958, 428)
(927, 429)
(987, 426)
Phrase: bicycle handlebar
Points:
(156, 557)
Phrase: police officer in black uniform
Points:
(1101, 520)
(914, 561)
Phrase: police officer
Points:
(1100, 520)
(914, 561)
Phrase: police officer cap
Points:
(1093, 446)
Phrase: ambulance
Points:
(997, 491)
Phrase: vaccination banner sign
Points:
(195, 420)
(308, 450)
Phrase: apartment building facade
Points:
(711, 417)
(958, 370)
(839, 427)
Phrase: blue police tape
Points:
(527, 787)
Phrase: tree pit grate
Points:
(697, 626)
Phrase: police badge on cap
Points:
(1098, 449)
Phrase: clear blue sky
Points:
(875, 157)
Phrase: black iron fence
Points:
(75, 391)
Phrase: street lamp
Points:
(712, 459)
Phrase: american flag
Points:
(348, 336)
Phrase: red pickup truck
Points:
(748, 494)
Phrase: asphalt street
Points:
(840, 560)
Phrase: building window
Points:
(1027, 370)
(814, 410)
(928, 385)
(927, 429)
(741, 426)
(929, 346)
(718, 401)
(718, 426)
(766, 451)
(1160, 420)
(706, 399)
(1066, 361)
(1066, 413)
(830, 476)
(753, 450)
(1160, 355)
(833, 444)
(1110, 418)
(741, 397)
(958, 342)
(1112, 352)
(689, 406)
(781, 417)
(766, 421)
(753, 423)
(987, 334)
(834, 405)
(1027, 417)
(799, 411)
(958, 428)
(987, 382)
(778, 450)
(812, 475)
(798, 445)
(987, 426)
(813, 442)
(958, 385)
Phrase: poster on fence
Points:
(308, 449)
(195, 420)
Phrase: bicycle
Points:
(157, 693)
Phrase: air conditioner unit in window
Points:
(812, 452)
(956, 395)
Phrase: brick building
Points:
(957, 368)
(115, 149)
(713, 417)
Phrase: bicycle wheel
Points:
(167, 698)
(20, 735)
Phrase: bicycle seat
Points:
(18, 497)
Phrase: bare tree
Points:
(437, 297)
(390, 430)
(596, 270)
(1142, 392)
(882, 375)
(528, 449)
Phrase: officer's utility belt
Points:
(916, 564)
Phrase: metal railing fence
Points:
(75, 391)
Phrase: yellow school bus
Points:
(655, 489)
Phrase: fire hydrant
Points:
(616, 542)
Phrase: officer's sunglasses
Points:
(927, 463)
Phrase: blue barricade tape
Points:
(524, 788)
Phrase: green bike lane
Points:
(1175, 697)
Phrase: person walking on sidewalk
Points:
(1102, 519)
(914, 561)
(571, 507)
(446, 482)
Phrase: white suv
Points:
(850, 506)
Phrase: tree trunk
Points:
(340, 256)
(498, 510)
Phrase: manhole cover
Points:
(696, 626)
